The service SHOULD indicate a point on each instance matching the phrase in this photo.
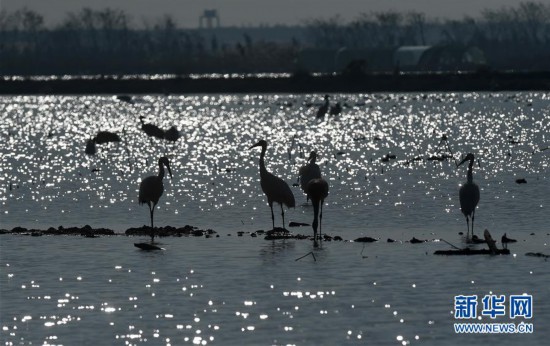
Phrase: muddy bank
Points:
(89, 231)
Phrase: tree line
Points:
(107, 41)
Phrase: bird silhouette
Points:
(172, 134)
(150, 129)
(317, 189)
(101, 137)
(469, 195)
(90, 147)
(275, 189)
(324, 108)
(152, 188)
(308, 172)
(106, 137)
(336, 109)
(125, 98)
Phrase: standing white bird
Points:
(151, 188)
(317, 189)
(308, 172)
(469, 195)
(275, 189)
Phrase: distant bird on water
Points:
(469, 195)
(102, 137)
(275, 189)
(172, 134)
(90, 147)
(324, 108)
(106, 137)
(125, 98)
(150, 129)
(152, 188)
(336, 109)
(308, 172)
(317, 189)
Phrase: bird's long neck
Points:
(313, 159)
(470, 175)
(263, 170)
(161, 171)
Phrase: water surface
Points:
(229, 290)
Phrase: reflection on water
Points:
(374, 155)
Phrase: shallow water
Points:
(229, 290)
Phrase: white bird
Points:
(317, 190)
(308, 172)
(469, 195)
(275, 189)
(151, 189)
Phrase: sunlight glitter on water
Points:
(45, 164)
(368, 293)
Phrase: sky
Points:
(257, 12)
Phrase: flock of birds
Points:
(277, 190)
(151, 130)
(313, 185)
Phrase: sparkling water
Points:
(243, 290)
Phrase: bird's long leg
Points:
(473, 216)
(468, 224)
(152, 210)
(321, 222)
(283, 214)
(449, 148)
(272, 216)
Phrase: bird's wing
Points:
(277, 190)
(310, 172)
(150, 189)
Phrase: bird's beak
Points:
(461, 162)
(255, 145)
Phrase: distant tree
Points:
(459, 31)
(97, 29)
(326, 32)
(389, 27)
(533, 16)
(417, 22)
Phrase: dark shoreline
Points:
(88, 231)
(402, 82)
(187, 231)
